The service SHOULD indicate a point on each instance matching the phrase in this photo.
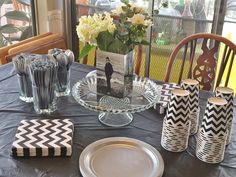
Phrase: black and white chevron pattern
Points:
(165, 95)
(193, 96)
(210, 149)
(178, 110)
(175, 138)
(44, 137)
(214, 119)
(193, 104)
(229, 110)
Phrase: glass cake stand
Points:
(116, 108)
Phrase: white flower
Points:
(137, 9)
(119, 9)
(147, 22)
(90, 26)
(138, 19)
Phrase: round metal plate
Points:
(119, 157)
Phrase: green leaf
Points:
(117, 47)
(2, 41)
(87, 48)
(165, 4)
(130, 13)
(143, 42)
(156, 11)
(125, 1)
(17, 15)
(124, 8)
(27, 33)
(104, 39)
(9, 29)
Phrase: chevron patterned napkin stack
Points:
(211, 138)
(228, 94)
(176, 124)
(192, 86)
(42, 138)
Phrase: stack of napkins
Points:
(43, 137)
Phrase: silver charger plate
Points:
(120, 157)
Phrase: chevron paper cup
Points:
(228, 94)
(209, 148)
(214, 121)
(177, 113)
(175, 138)
(192, 86)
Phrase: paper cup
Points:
(228, 94)
(175, 138)
(192, 86)
(209, 148)
(214, 119)
(178, 108)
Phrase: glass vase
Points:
(116, 72)
(25, 88)
(44, 99)
(63, 83)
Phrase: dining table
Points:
(146, 126)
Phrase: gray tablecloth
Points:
(146, 126)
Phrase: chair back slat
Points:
(204, 72)
(224, 56)
(183, 62)
(192, 55)
(223, 63)
(230, 68)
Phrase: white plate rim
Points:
(87, 173)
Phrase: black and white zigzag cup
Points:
(177, 113)
(192, 86)
(209, 148)
(175, 138)
(228, 94)
(214, 120)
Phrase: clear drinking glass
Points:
(25, 88)
(44, 99)
(63, 83)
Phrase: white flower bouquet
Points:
(117, 32)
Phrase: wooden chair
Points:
(4, 50)
(38, 46)
(203, 67)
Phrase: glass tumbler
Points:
(25, 87)
(44, 99)
(63, 83)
